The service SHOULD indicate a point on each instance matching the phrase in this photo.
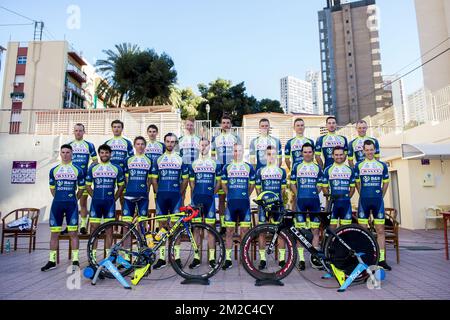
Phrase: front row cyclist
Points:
(270, 178)
(238, 182)
(306, 184)
(372, 181)
(64, 181)
(170, 179)
(204, 180)
(339, 182)
(104, 177)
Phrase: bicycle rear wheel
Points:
(251, 254)
(129, 246)
(357, 238)
(210, 248)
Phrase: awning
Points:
(426, 151)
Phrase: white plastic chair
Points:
(432, 213)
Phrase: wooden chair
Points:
(15, 233)
(392, 229)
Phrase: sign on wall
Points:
(23, 172)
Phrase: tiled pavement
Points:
(423, 273)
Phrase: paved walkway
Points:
(423, 273)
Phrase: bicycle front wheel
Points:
(129, 244)
(197, 252)
(279, 263)
(357, 238)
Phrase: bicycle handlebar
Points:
(192, 211)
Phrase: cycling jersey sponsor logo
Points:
(169, 165)
(204, 168)
(276, 176)
(139, 165)
(154, 149)
(66, 176)
(333, 142)
(79, 150)
(371, 171)
(118, 145)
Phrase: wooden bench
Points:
(15, 233)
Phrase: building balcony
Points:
(76, 56)
(75, 90)
(76, 73)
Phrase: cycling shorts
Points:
(129, 208)
(307, 204)
(238, 209)
(342, 210)
(209, 208)
(168, 203)
(58, 210)
(102, 209)
(373, 205)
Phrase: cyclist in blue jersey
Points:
(104, 177)
(170, 179)
(326, 143)
(306, 184)
(154, 148)
(238, 182)
(355, 148)
(222, 151)
(372, 181)
(83, 152)
(339, 181)
(258, 146)
(189, 143)
(121, 147)
(138, 175)
(67, 184)
(293, 148)
(270, 178)
(204, 181)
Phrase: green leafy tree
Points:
(190, 103)
(268, 105)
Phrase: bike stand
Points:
(204, 282)
(268, 282)
(107, 264)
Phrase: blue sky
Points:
(256, 41)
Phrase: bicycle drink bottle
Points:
(160, 234)
(149, 239)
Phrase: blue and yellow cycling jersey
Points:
(356, 147)
(104, 177)
(222, 147)
(189, 146)
(82, 151)
(170, 170)
(325, 145)
(137, 169)
(271, 178)
(372, 174)
(339, 178)
(258, 147)
(238, 176)
(307, 176)
(64, 179)
(121, 149)
(154, 150)
(205, 172)
(293, 149)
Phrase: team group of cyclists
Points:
(127, 171)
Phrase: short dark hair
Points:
(104, 147)
(270, 147)
(330, 117)
(170, 134)
(369, 143)
(80, 125)
(338, 148)
(152, 126)
(298, 120)
(307, 145)
(117, 122)
(140, 138)
(191, 119)
(264, 120)
(361, 121)
(226, 117)
(66, 146)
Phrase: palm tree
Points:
(116, 85)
